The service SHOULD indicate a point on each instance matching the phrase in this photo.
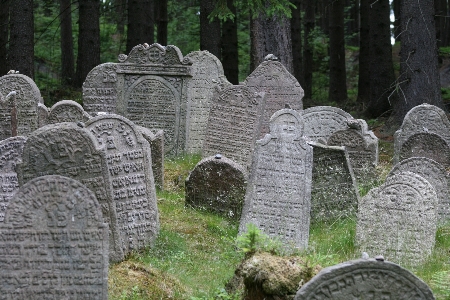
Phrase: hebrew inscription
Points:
(67, 111)
(100, 89)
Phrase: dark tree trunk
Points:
(88, 38)
(67, 57)
(229, 43)
(442, 29)
(397, 28)
(296, 34)
(141, 24)
(364, 55)
(120, 6)
(161, 21)
(352, 22)
(338, 82)
(4, 30)
(323, 13)
(21, 41)
(209, 31)
(308, 48)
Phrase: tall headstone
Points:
(280, 88)
(54, 243)
(365, 279)
(278, 194)
(69, 150)
(11, 150)
(67, 111)
(7, 103)
(334, 193)
(398, 219)
(156, 141)
(217, 184)
(128, 160)
(234, 123)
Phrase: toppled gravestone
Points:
(217, 184)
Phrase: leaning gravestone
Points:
(334, 193)
(54, 242)
(66, 111)
(156, 142)
(129, 164)
(398, 219)
(279, 189)
(435, 174)
(280, 88)
(233, 125)
(11, 150)
(365, 279)
(217, 184)
(67, 149)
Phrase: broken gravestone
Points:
(66, 111)
(278, 194)
(217, 184)
(156, 141)
(54, 242)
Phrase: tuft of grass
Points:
(176, 170)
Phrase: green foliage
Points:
(183, 29)
(220, 294)
(254, 240)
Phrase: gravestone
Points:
(233, 125)
(67, 149)
(11, 150)
(398, 219)
(278, 194)
(334, 193)
(156, 142)
(129, 165)
(217, 184)
(42, 112)
(54, 243)
(280, 88)
(207, 76)
(435, 174)
(7, 103)
(365, 279)
(66, 111)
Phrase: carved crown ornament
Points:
(155, 54)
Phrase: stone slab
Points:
(156, 142)
(66, 111)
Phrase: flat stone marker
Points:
(217, 184)
(365, 279)
(156, 142)
(398, 219)
(54, 244)
(11, 150)
(233, 125)
(334, 192)
(67, 111)
(69, 150)
(278, 194)
(129, 164)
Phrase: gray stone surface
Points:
(156, 142)
(278, 194)
(69, 150)
(66, 111)
(233, 125)
(42, 112)
(398, 219)
(11, 150)
(435, 174)
(6, 112)
(334, 193)
(365, 279)
(217, 184)
(54, 243)
(128, 160)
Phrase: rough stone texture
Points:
(6, 110)
(426, 119)
(280, 87)
(66, 111)
(54, 242)
(207, 77)
(279, 189)
(68, 150)
(435, 174)
(11, 150)
(128, 159)
(398, 219)
(156, 142)
(365, 279)
(233, 125)
(217, 184)
(42, 112)
(334, 193)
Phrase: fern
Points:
(440, 281)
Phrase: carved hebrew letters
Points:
(67, 111)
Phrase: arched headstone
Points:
(67, 111)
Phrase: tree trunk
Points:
(88, 39)
(229, 44)
(141, 25)
(4, 30)
(364, 55)
(338, 82)
(309, 23)
(209, 31)
(21, 41)
(397, 28)
(323, 13)
(67, 57)
(442, 30)
(161, 21)
(352, 23)
(296, 33)
(120, 6)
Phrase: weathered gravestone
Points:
(233, 125)
(279, 190)
(435, 174)
(280, 88)
(156, 142)
(207, 76)
(66, 111)
(68, 150)
(129, 164)
(334, 193)
(365, 279)
(217, 184)
(11, 150)
(398, 219)
(54, 243)
(7, 107)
